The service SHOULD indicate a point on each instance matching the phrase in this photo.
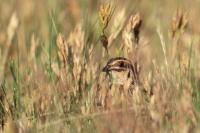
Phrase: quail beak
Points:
(105, 69)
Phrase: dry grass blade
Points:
(55, 77)
(73, 118)
(12, 27)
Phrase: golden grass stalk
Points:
(12, 27)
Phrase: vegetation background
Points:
(51, 57)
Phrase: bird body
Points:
(122, 71)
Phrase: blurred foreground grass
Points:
(51, 57)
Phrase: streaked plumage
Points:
(122, 70)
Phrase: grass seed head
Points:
(104, 15)
(131, 34)
(134, 25)
(179, 22)
(62, 49)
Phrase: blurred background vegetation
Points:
(36, 94)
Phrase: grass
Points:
(52, 54)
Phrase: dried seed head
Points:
(14, 23)
(179, 22)
(134, 26)
(104, 41)
(105, 14)
(118, 22)
(76, 43)
(184, 63)
(131, 35)
(62, 49)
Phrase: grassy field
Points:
(52, 53)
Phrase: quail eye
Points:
(121, 64)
